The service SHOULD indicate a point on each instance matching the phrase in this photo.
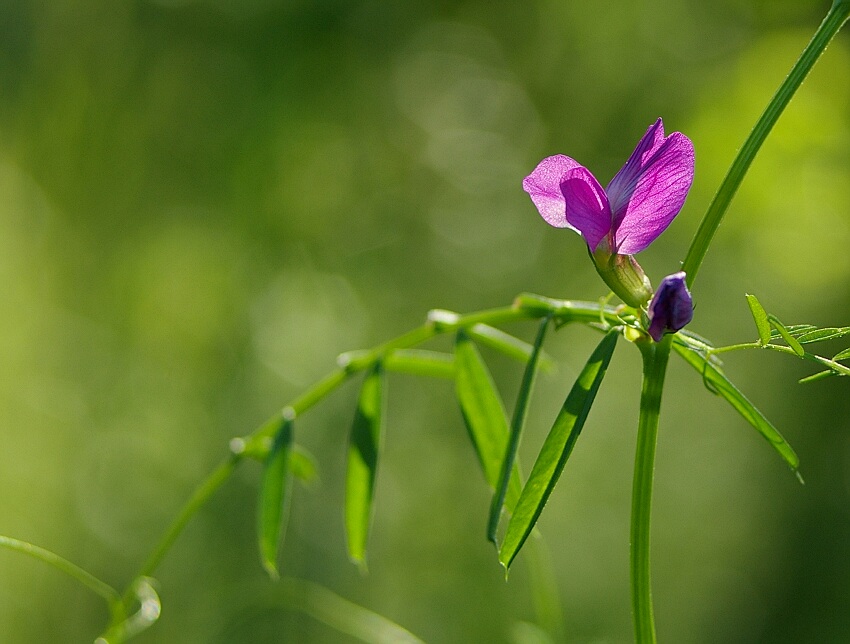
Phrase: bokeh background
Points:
(203, 202)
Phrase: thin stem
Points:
(837, 16)
(526, 307)
(101, 588)
(198, 499)
(654, 368)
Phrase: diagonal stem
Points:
(835, 19)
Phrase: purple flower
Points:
(671, 307)
(636, 207)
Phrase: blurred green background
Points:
(203, 202)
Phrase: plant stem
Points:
(101, 588)
(526, 307)
(654, 368)
(835, 19)
(198, 499)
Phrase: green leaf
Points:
(820, 375)
(820, 335)
(303, 465)
(557, 449)
(724, 388)
(506, 343)
(517, 425)
(843, 355)
(794, 329)
(421, 362)
(273, 505)
(760, 318)
(786, 335)
(363, 449)
(483, 412)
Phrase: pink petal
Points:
(544, 187)
(622, 185)
(654, 195)
(588, 210)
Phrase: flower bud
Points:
(671, 307)
(623, 275)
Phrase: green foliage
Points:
(484, 413)
(363, 450)
(717, 381)
(760, 318)
(517, 426)
(275, 491)
(557, 449)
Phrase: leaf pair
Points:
(795, 336)
(496, 444)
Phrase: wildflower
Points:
(639, 203)
(671, 307)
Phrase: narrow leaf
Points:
(760, 318)
(517, 425)
(507, 344)
(483, 412)
(557, 449)
(724, 388)
(303, 465)
(275, 489)
(363, 451)
(786, 335)
(820, 335)
(794, 329)
(843, 355)
(421, 362)
(820, 375)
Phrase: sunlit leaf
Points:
(483, 412)
(275, 490)
(843, 355)
(363, 450)
(793, 329)
(820, 335)
(421, 362)
(724, 388)
(517, 426)
(557, 449)
(820, 375)
(786, 335)
(506, 343)
(760, 318)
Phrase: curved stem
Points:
(654, 368)
(99, 587)
(835, 19)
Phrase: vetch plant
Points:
(617, 222)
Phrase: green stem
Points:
(198, 499)
(654, 368)
(526, 306)
(101, 588)
(835, 19)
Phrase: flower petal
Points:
(671, 307)
(622, 185)
(655, 195)
(588, 210)
(544, 187)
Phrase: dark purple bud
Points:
(671, 308)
